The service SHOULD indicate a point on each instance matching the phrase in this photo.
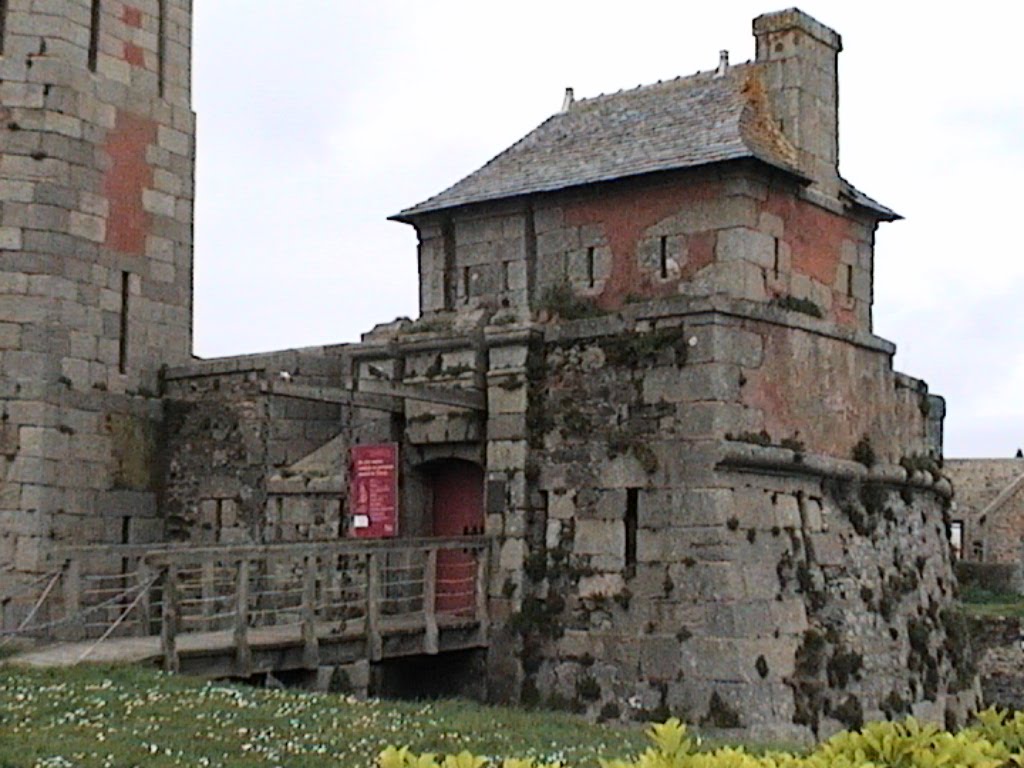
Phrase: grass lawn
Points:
(981, 602)
(122, 717)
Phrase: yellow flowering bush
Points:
(996, 741)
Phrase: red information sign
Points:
(373, 483)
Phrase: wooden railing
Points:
(306, 593)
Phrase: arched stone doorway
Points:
(456, 509)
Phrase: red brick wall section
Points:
(132, 17)
(625, 217)
(814, 235)
(128, 176)
(134, 55)
(828, 394)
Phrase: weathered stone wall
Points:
(739, 233)
(226, 438)
(475, 261)
(660, 567)
(76, 468)
(800, 60)
(736, 234)
(997, 644)
(990, 535)
(95, 264)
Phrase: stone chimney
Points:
(801, 58)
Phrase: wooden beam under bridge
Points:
(381, 395)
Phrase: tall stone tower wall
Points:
(96, 192)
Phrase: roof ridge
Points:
(670, 125)
(708, 74)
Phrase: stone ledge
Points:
(630, 315)
(258, 362)
(755, 458)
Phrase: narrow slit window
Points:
(506, 276)
(126, 538)
(466, 279)
(3, 24)
(631, 523)
(663, 258)
(849, 281)
(161, 45)
(94, 35)
(591, 274)
(122, 351)
(775, 263)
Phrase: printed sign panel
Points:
(373, 483)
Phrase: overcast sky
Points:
(319, 118)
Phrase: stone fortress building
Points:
(644, 367)
(988, 514)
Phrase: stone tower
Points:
(96, 196)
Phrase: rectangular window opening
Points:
(663, 258)
(775, 263)
(466, 283)
(506, 276)
(591, 274)
(956, 538)
(161, 46)
(122, 350)
(94, 36)
(631, 522)
(849, 281)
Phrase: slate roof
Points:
(682, 123)
(857, 197)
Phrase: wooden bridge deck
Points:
(268, 609)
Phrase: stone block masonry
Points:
(96, 189)
(707, 554)
(644, 369)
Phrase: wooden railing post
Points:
(482, 573)
(145, 576)
(310, 644)
(243, 653)
(431, 640)
(169, 625)
(73, 596)
(373, 597)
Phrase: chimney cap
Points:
(569, 100)
(794, 18)
(723, 64)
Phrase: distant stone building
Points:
(987, 517)
(644, 367)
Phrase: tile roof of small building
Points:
(682, 123)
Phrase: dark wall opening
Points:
(459, 674)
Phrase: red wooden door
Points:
(458, 510)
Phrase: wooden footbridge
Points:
(243, 610)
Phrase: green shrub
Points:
(561, 301)
(995, 742)
(793, 304)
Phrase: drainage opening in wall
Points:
(459, 674)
